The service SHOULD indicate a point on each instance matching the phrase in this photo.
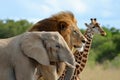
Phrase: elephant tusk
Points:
(77, 63)
(69, 65)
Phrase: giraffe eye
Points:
(93, 27)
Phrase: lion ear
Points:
(32, 46)
(63, 25)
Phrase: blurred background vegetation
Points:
(104, 50)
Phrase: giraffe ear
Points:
(86, 25)
(95, 19)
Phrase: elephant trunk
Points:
(69, 70)
(69, 60)
(69, 73)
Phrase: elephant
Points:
(19, 56)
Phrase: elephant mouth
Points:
(53, 63)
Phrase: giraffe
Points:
(81, 57)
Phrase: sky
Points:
(106, 11)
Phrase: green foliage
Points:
(116, 61)
(9, 28)
(107, 51)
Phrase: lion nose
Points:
(83, 41)
(75, 46)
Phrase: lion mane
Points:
(65, 23)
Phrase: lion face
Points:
(66, 24)
(71, 34)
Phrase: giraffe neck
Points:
(89, 36)
(81, 57)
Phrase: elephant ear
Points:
(33, 47)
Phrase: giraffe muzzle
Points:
(103, 34)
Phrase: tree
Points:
(9, 28)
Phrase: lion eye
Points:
(75, 32)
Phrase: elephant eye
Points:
(58, 46)
(93, 27)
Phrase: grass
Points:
(98, 72)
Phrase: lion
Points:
(66, 24)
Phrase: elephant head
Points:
(48, 47)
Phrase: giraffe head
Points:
(95, 27)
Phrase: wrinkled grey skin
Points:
(20, 55)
